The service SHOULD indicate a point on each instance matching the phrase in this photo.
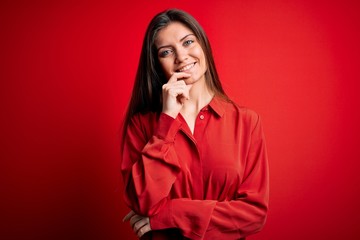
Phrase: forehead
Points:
(172, 33)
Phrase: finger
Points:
(178, 76)
(139, 224)
(173, 85)
(177, 83)
(175, 89)
(128, 216)
(134, 219)
(177, 92)
(146, 228)
(185, 95)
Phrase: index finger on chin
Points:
(176, 76)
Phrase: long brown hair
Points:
(147, 91)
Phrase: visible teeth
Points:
(187, 67)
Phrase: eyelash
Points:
(167, 52)
(188, 42)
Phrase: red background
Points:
(66, 73)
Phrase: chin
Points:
(190, 80)
(194, 79)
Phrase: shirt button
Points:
(201, 117)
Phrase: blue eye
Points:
(188, 42)
(165, 53)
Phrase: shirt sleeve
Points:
(247, 213)
(147, 193)
(235, 219)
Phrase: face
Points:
(179, 50)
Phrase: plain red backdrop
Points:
(66, 73)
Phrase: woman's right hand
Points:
(175, 92)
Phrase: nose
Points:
(181, 55)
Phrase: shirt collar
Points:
(218, 105)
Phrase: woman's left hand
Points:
(139, 224)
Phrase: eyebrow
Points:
(165, 46)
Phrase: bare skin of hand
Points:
(139, 224)
(175, 92)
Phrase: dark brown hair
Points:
(147, 91)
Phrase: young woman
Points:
(194, 163)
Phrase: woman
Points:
(194, 163)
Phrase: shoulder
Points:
(144, 122)
(145, 118)
(236, 111)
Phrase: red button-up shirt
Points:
(212, 184)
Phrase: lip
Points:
(186, 67)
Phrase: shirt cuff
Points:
(163, 219)
(167, 127)
(192, 217)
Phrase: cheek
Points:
(201, 56)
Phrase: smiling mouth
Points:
(186, 68)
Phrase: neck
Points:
(200, 96)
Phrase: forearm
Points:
(197, 219)
(150, 168)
